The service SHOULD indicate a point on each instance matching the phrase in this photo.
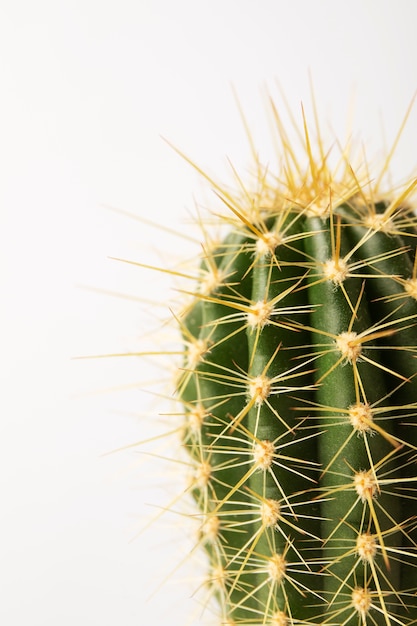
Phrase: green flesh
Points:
(318, 455)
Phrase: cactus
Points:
(299, 391)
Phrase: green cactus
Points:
(299, 388)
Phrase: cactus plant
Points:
(298, 384)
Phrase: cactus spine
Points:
(299, 388)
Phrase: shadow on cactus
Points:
(299, 391)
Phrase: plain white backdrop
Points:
(88, 92)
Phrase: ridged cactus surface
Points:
(299, 391)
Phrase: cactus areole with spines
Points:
(299, 391)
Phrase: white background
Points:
(88, 90)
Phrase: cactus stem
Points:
(298, 382)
